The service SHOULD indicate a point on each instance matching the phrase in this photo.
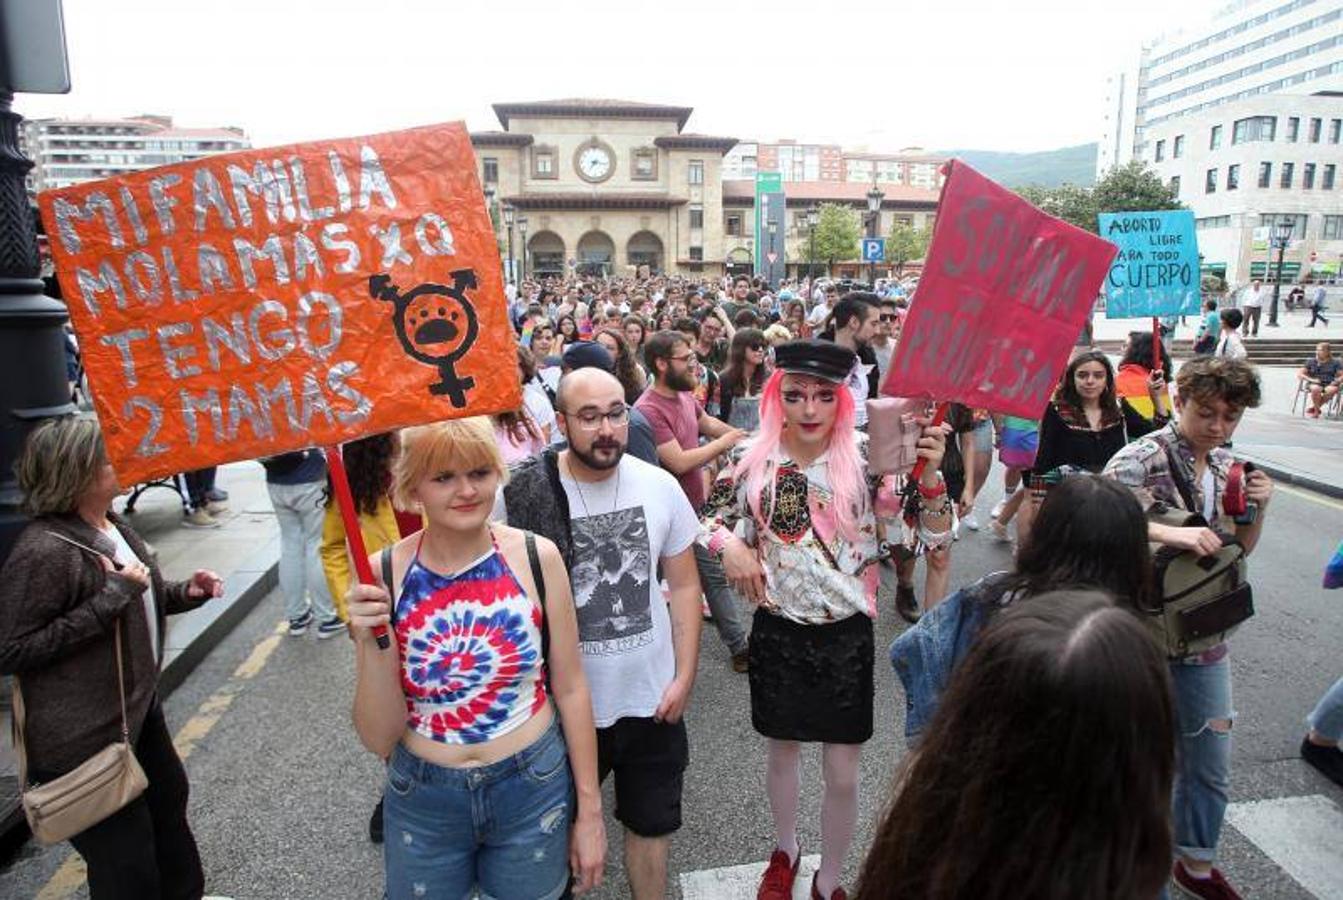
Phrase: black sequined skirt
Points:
(812, 682)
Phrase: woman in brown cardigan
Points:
(59, 606)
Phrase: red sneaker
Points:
(837, 894)
(779, 876)
(1213, 888)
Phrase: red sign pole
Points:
(340, 483)
(938, 418)
(1156, 345)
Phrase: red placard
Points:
(1003, 295)
(246, 304)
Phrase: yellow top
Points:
(379, 530)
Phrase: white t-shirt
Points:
(884, 355)
(537, 404)
(1252, 298)
(621, 527)
(126, 555)
(818, 314)
(1230, 345)
(858, 386)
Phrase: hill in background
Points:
(1048, 168)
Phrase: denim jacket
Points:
(925, 655)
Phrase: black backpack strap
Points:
(1181, 485)
(385, 563)
(539, 576)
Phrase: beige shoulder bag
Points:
(78, 800)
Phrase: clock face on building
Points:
(594, 163)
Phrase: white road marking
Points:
(1303, 835)
(741, 882)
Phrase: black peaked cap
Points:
(821, 359)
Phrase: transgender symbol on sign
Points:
(436, 324)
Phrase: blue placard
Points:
(874, 249)
(1156, 272)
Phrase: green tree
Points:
(1133, 187)
(1072, 203)
(1129, 188)
(837, 234)
(906, 243)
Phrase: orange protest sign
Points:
(250, 303)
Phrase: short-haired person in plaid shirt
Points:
(1214, 393)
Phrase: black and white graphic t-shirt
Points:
(621, 527)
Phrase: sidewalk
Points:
(1291, 447)
(1291, 326)
(244, 550)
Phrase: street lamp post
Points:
(1282, 236)
(33, 384)
(874, 198)
(522, 237)
(773, 256)
(508, 224)
(813, 219)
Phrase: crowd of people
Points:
(691, 451)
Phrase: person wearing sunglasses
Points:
(800, 496)
(739, 385)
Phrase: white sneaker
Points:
(999, 530)
(997, 508)
(970, 521)
(199, 518)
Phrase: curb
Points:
(1295, 478)
(246, 588)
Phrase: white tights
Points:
(839, 808)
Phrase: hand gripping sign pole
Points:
(340, 483)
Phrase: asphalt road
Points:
(281, 789)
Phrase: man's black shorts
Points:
(649, 760)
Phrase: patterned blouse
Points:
(813, 575)
(1145, 468)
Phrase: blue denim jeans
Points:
(299, 513)
(502, 829)
(729, 611)
(1203, 756)
(1327, 717)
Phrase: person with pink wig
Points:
(794, 519)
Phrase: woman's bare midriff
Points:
(470, 756)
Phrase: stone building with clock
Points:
(610, 186)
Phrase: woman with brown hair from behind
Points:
(1046, 772)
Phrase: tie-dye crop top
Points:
(471, 663)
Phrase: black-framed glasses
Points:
(688, 357)
(756, 347)
(591, 420)
(887, 317)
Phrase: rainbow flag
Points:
(1131, 385)
(1018, 441)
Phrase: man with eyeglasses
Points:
(616, 520)
(678, 421)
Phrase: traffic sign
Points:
(874, 250)
(772, 257)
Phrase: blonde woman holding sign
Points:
(479, 792)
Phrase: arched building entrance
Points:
(645, 249)
(739, 262)
(546, 254)
(596, 253)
